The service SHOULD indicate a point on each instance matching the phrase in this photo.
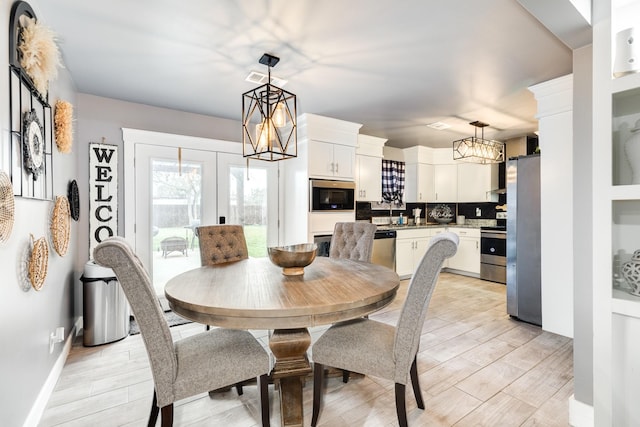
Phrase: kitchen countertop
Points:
(427, 225)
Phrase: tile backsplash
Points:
(481, 214)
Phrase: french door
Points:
(175, 192)
(178, 189)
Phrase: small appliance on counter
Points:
(416, 215)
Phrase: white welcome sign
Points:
(103, 193)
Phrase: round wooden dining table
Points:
(254, 294)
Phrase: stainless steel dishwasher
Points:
(384, 248)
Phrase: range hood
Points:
(499, 179)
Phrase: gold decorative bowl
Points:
(293, 258)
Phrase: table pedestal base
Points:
(289, 346)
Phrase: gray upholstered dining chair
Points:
(352, 240)
(381, 350)
(190, 366)
(221, 243)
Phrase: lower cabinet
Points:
(411, 246)
(467, 259)
(409, 252)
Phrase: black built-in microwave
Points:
(326, 195)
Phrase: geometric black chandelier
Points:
(269, 130)
(478, 150)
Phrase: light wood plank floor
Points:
(477, 367)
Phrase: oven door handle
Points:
(502, 236)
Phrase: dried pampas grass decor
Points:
(64, 126)
(40, 54)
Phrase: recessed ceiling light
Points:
(257, 77)
(438, 126)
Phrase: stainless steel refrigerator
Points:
(523, 239)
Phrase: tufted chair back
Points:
(221, 243)
(352, 240)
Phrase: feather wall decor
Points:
(63, 120)
(40, 54)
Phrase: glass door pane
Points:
(248, 196)
(176, 202)
(175, 192)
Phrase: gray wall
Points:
(582, 225)
(29, 317)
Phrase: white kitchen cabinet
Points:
(419, 182)
(333, 161)
(475, 183)
(368, 178)
(369, 153)
(321, 141)
(467, 258)
(445, 179)
(411, 246)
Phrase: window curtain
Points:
(392, 181)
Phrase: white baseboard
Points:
(35, 415)
(78, 326)
(580, 414)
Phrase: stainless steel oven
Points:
(493, 254)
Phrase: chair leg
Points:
(318, 374)
(153, 416)
(167, 416)
(239, 389)
(263, 382)
(401, 409)
(416, 384)
(345, 376)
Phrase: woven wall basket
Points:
(7, 207)
(60, 225)
(39, 262)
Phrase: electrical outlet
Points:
(56, 337)
(478, 212)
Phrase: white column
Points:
(555, 115)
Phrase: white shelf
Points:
(624, 83)
(625, 192)
(626, 304)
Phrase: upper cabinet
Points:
(330, 147)
(433, 176)
(418, 181)
(418, 185)
(445, 180)
(333, 161)
(368, 172)
(475, 182)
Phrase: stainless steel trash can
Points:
(105, 306)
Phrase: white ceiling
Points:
(392, 65)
